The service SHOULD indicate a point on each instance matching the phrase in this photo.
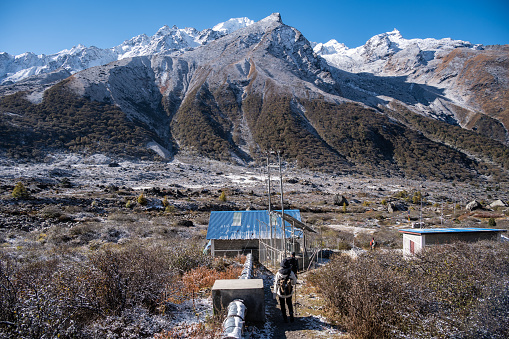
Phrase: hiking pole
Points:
(295, 303)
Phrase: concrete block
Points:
(249, 290)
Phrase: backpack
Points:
(285, 286)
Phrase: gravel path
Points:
(306, 324)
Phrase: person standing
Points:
(372, 243)
(283, 287)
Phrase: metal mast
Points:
(282, 204)
(270, 209)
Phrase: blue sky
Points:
(49, 26)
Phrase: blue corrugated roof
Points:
(252, 225)
(448, 230)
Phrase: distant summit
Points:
(232, 25)
(373, 56)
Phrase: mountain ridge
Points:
(264, 87)
(78, 58)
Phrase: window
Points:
(237, 219)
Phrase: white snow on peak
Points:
(396, 33)
(232, 25)
(170, 40)
(372, 56)
(330, 47)
(273, 17)
(165, 40)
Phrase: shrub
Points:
(417, 198)
(186, 256)
(61, 293)
(142, 200)
(443, 292)
(222, 197)
(401, 194)
(20, 191)
(170, 209)
(49, 212)
(492, 222)
(131, 276)
(203, 278)
(8, 292)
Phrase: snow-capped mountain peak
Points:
(165, 30)
(330, 47)
(370, 57)
(232, 25)
(395, 33)
(166, 40)
(382, 48)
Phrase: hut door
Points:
(412, 247)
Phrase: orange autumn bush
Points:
(201, 278)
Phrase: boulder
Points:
(396, 206)
(185, 223)
(498, 203)
(473, 205)
(340, 200)
(391, 207)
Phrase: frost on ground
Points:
(137, 322)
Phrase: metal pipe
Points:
(270, 208)
(233, 325)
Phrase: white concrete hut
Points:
(414, 240)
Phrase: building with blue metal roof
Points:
(414, 240)
(237, 232)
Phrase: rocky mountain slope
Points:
(469, 82)
(428, 109)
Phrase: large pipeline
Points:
(247, 272)
(233, 325)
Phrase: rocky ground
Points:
(71, 190)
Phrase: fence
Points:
(273, 249)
